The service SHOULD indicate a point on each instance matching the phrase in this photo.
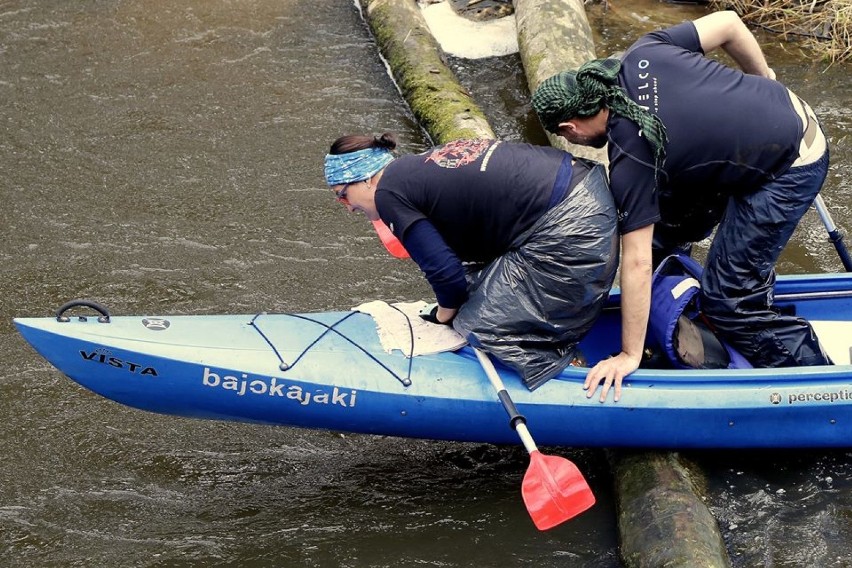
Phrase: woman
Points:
(518, 242)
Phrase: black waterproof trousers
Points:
(739, 277)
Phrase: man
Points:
(693, 142)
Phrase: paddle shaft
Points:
(834, 234)
(516, 419)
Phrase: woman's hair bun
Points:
(386, 140)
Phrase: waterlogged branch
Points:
(553, 35)
(661, 518)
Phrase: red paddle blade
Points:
(389, 240)
(554, 490)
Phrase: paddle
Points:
(553, 489)
(834, 234)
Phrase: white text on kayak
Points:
(276, 387)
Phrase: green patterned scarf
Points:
(584, 92)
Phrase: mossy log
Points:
(662, 520)
(555, 35)
(438, 101)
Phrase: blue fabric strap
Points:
(562, 183)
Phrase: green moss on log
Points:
(438, 101)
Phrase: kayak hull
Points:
(328, 371)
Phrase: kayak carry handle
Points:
(104, 317)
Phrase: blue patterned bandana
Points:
(355, 166)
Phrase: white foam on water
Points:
(470, 39)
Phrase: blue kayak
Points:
(329, 370)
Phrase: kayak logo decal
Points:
(844, 395)
(278, 388)
(156, 324)
(105, 357)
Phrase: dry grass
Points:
(824, 24)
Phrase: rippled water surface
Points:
(166, 157)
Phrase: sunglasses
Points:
(341, 194)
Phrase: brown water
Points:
(162, 156)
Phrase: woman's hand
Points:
(433, 313)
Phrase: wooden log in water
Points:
(439, 102)
(555, 36)
(662, 519)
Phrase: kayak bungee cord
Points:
(410, 337)
(284, 366)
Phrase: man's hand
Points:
(610, 372)
(635, 307)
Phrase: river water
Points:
(165, 157)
